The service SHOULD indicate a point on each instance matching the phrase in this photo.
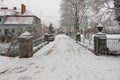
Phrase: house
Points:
(13, 22)
(46, 29)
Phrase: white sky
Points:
(47, 10)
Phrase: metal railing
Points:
(13, 48)
(113, 45)
(38, 41)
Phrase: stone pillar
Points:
(100, 42)
(25, 45)
(46, 37)
(96, 45)
(78, 37)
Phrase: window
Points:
(0, 19)
(13, 30)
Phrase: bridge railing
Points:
(13, 48)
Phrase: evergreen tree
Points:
(51, 29)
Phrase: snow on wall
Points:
(19, 20)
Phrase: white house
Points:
(13, 22)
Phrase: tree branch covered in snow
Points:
(98, 11)
(71, 10)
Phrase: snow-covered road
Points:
(62, 59)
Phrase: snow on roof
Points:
(6, 12)
(100, 25)
(13, 12)
(9, 11)
(19, 20)
(26, 35)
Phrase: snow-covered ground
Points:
(62, 59)
(4, 47)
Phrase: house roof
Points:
(18, 19)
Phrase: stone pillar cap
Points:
(100, 25)
(78, 32)
(46, 33)
(25, 35)
(101, 35)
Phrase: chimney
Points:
(23, 8)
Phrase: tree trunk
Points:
(117, 9)
(77, 18)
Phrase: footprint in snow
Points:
(18, 70)
(25, 78)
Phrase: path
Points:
(62, 59)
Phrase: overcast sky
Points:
(47, 10)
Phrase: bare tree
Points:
(75, 13)
(102, 11)
(51, 29)
(71, 13)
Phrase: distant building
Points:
(13, 22)
(46, 28)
